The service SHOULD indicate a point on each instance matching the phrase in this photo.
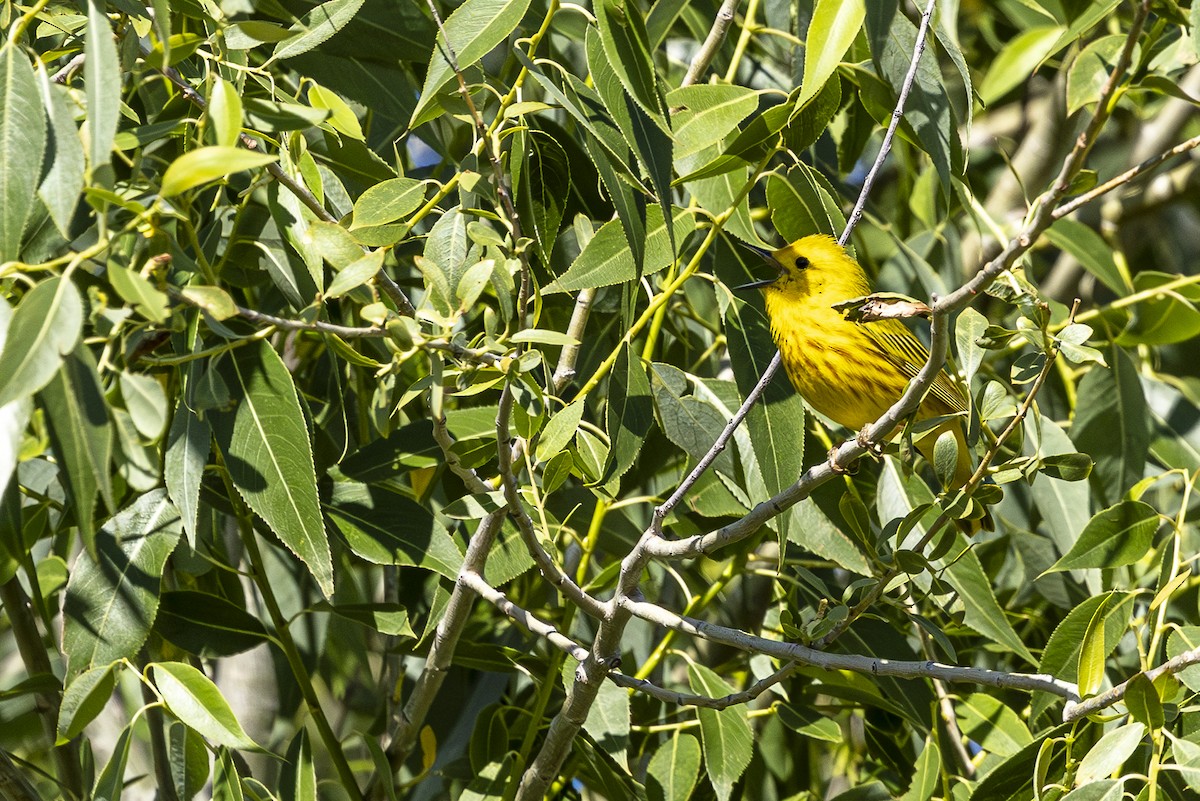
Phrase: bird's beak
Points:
(766, 256)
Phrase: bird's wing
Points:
(909, 355)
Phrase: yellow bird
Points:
(851, 372)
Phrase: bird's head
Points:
(808, 265)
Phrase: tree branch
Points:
(716, 38)
(1074, 711)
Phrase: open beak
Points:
(766, 256)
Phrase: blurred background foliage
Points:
(235, 459)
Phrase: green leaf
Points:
(390, 619)
(195, 700)
(207, 625)
(266, 450)
(1061, 655)
(61, 187)
(22, 147)
(83, 700)
(1018, 60)
(1067, 466)
(473, 29)
(138, 292)
(1109, 753)
(299, 779)
(629, 414)
(315, 28)
(146, 403)
(387, 201)
(1143, 702)
(1182, 639)
(386, 528)
(725, 734)
(209, 163)
(559, 431)
(674, 768)
(1090, 250)
(112, 777)
(606, 259)
(544, 189)
(112, 599)
(968, 328)
(983, 612)
(608, 718)
(992, 724)
(1112, 424)
(82, 434)
(802, 203)
(928, 112)
(225, 112)
(356, 273)
(623, 35)
(1173, 316)
(102, 76)
(1120, 535)
(927, 773)
(833, 28)
(1064, 506)
(1090, 70)
(688, 421)
(188, 443)
(706, 114)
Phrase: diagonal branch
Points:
(1075, 711)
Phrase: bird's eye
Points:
(801, 262)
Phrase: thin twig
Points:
(824, 660)
(1074, 711)
(565, 370)
(716, 37)
(1126, 177)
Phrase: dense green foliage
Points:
(241, 472)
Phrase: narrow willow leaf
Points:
(195, 700)
(968, 328)
(704, 115)
(1109, 753)
(356, 273)
(473, 29)
(205, 164)
(83, 700)
(559, 431)
(1061, 655)
(802, 203)
(1017, 61)
(1120, 535)
(630, 412)
(207, 625)
(146, 403)
(225, 112)
(606, 259)
(82, 434)
(386, 528)
(63, 182)
(269, 458)
(299, 779)
(45, 327)
(544, 189)
(1093, 652)
(673, 769)
(927, 774)
(992, 724)
(725, 734)
(387, 201)
(112, 778)
(1171, 317)
(102, 77)
(316, 27)
(831, 31)
(1143, 702)
(1090, 249)
(1112, 424)
(623, 35)
(928, 111)
(112, 599)
(22, 147)
(983, 612)
(188, 444)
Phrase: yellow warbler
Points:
(848, 371)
